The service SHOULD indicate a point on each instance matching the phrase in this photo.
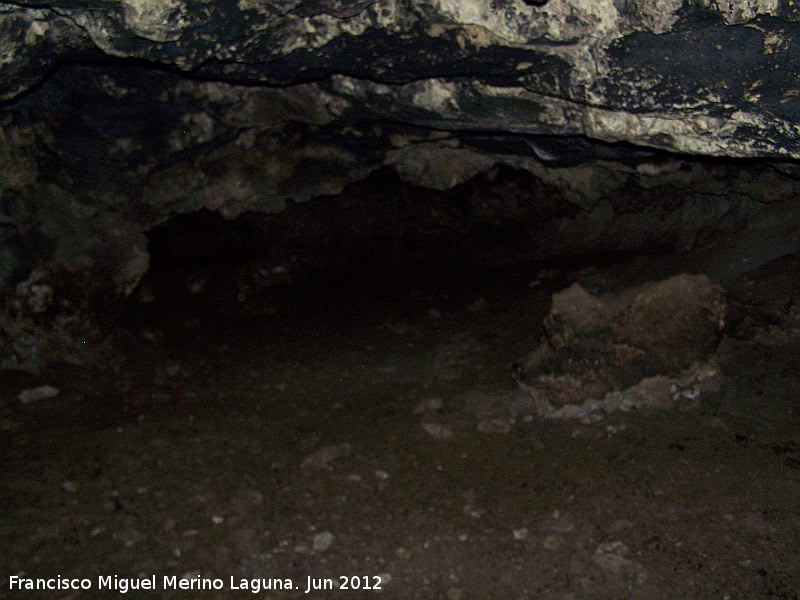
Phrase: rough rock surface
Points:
(707, 77)
(649, 339)
(559, 118)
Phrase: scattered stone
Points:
(43, 392)
(69, 486)
(611, 556)
(429, 405)
(454, 594)
(497, 425)
(558, 522)
(620, 525)
(150, 337)
(322, 541)
(217, 519)
(645, 347)
(592, 418)
(37, 294)
(552, 542)
(319, 460)
(129, 537)
(659, 393)
(473, 512)
(438, 431)
(520, 534)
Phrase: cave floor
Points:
(297, 436)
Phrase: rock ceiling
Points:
(715, 77)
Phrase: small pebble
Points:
(438, 431)
(322, 541)
(552, 542)
(321, 458)
(428, 405)
(42, 392)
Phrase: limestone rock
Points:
(637, 348)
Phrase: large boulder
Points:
(648, 341)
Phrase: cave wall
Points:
(571, 127)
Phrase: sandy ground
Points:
(334, 436)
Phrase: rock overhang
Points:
(708, 78)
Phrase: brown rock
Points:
(598, 345)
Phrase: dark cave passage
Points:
(491, 319)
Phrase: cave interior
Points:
(290, 324)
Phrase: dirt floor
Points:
(337, 434)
